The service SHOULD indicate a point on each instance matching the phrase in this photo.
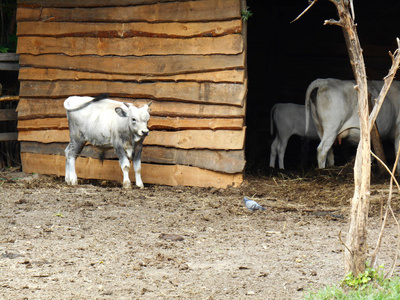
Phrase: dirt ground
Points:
(97, 241)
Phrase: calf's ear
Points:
(120, 112)
(148, 105)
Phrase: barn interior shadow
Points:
(284, 58)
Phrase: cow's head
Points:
(137, 118)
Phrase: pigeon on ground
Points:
(252, 205)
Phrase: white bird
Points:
(252, 205)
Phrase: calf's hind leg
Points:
(274, 150)
(71, 153)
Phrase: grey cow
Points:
(106, 123)
(333, 105)
(289, 119)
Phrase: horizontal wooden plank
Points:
(131, 65)
(188, 11)
(124, 30)
(4, 66)
(9, 98)
(220, 161)
(44, 136)
(231, 76)
(184, 139)
(8, 136)
(180, 123)
(136, 46)
(8, 115)
(29, 108)
(86, 3)
(198, 139)
(110, 170)
(205, 92)
(231, 161)
(14, 57)
(155, 123)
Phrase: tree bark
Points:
(356, 250)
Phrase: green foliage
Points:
(363, 279)
(8, 38)
(3, 49)
(246, 13)
(370, 285)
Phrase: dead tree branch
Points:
(387, 82)
(374, 257)
(396, 256)
(304, 11)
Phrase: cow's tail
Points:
(312, 88)
(271, 117)
(100, 97)
(74, 103)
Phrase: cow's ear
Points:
(120, 112)
(148, 105)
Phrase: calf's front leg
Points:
(125, 165)
(137, 164)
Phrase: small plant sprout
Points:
(246, 13)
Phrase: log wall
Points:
(186, 56)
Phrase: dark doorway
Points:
(283, 58)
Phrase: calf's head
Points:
(137, 119)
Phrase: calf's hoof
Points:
(72, 182)
(127, 185)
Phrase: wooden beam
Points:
(231, 76)
(203, 93)
(231, 161)
(8, 115)
(110, 170)
(9, 66)
(29, 108)
(136, 46)
(188, 11)
(153, 65)
(124, 30)
(86, 3)
(14, 57)
(184, 139)
(155, 123)
(149, 66)
(8, 136)
(198, 139)
(9, 98)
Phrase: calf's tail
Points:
(271, 117)
(75, 103)
(100, 97)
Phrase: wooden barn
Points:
(213, 78)
(188, 57)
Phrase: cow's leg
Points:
(137, 164)
(274, 149)
(71, 153)
(281, 151)
(397, 146)
(323, 149)
(125, 165)
(331, 158)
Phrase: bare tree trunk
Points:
(356, 243)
